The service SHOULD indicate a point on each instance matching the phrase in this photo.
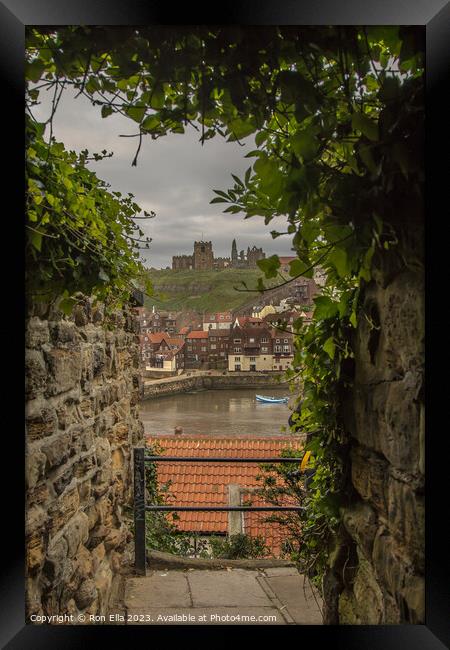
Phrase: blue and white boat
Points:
(272, 400)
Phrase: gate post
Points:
(139, 510)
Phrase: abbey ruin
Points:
(203, 258)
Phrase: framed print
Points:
(230, 273)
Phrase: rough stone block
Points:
(414, 597)
(35, 551)
(57, 450)
(35, 373)
(369, 476)
(76, 532)
(40, 422)
(98, 358)
(38, 495)
(406, 517)
(65, 332)
(36, 333)
(119, 433)
(63, 509)
(56, 560)
(84, 492)
(64, 370)
(361, 523)
(102, 451)
(35, 467)
(103, 580)
(368, 594)
(86, 593)
(63, 480)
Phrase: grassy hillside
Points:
(202, 290)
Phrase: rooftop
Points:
(205, 484)
(197, 334)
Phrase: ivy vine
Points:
(337, 118)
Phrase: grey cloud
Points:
(174, 177)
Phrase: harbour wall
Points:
(176, 385)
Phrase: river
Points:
(233, 412)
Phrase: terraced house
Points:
(196, 349)
(257, 347)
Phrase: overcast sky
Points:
(174, 177)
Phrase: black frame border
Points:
(434, 15)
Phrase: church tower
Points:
(203, 256)
(234, 254)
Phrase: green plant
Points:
(80, 236)
(161, 532)
(337, 118)
(239, 546)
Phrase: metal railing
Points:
(140, 507)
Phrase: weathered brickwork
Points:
(377, 569)
(82, 389)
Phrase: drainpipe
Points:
(234, 518)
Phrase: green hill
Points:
(203, 290)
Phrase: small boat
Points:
(272, 400)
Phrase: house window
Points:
(286, 348)
(203, 349)
(237, 366)
(221, 316)
(213, 338)
(286, 340)
(213, 346)
(252, 358)
(277, 340)
(236, 340)
(278, 348)
(237, 349)
(264, 349)
(264, 339)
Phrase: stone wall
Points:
(377, 568)
(183, 384)
(82, 390)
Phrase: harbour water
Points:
(233, 412)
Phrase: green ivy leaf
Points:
(305, 145)
(269, 266)
(106, 110)
(338, 258)
(135, 112)
(329, 347)
(365, 124)
(325, 308)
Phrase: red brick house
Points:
(196, 349)
(218, 343)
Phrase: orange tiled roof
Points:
(207, 483)
(174, 341)
(157, 337)
(197, 334)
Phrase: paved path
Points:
(271, 596)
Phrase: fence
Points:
(140, 507)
